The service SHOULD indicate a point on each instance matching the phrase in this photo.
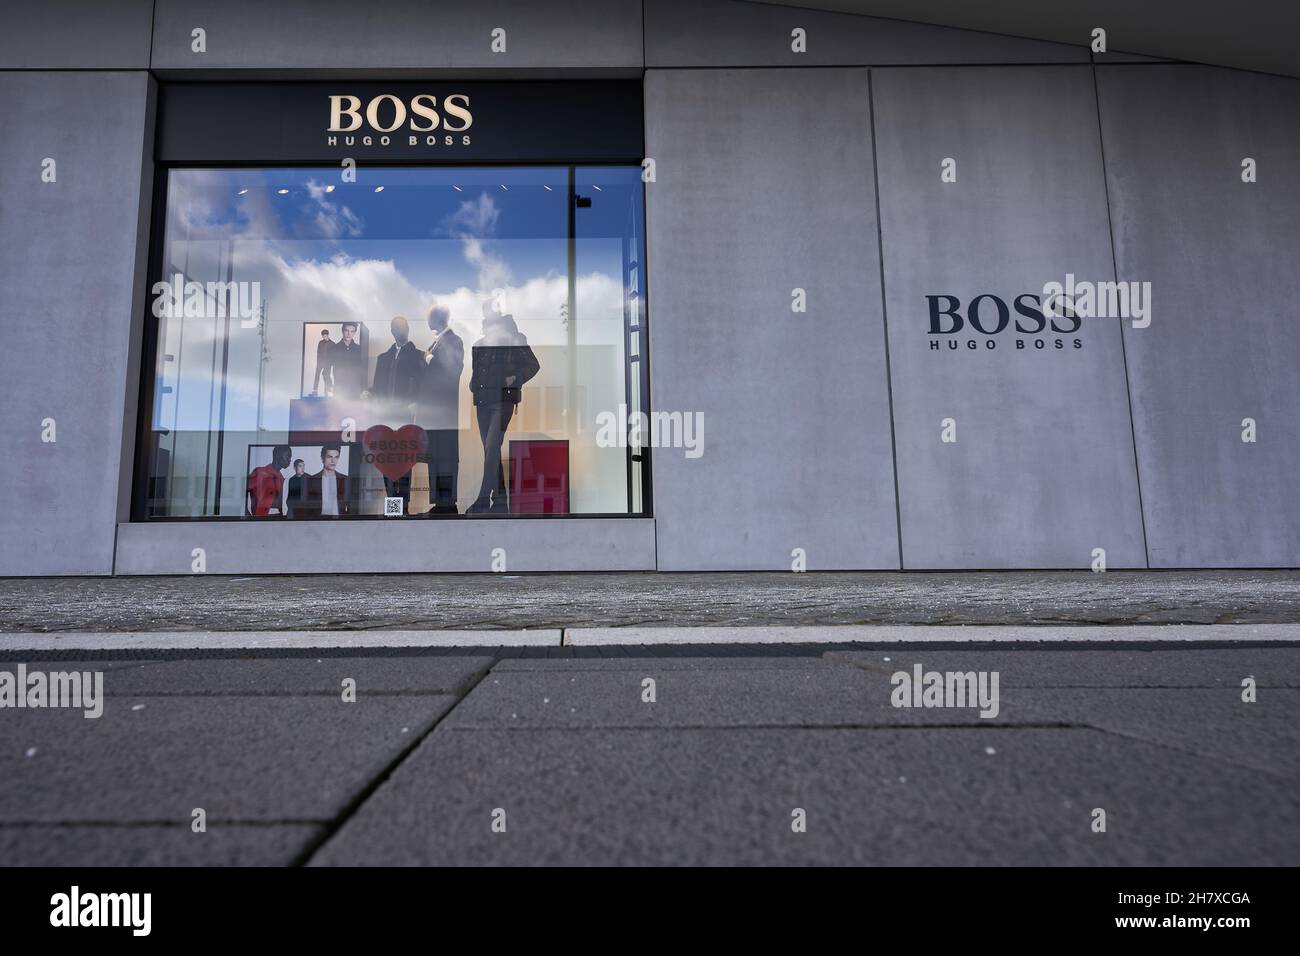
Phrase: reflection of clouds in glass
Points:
(201, 202)
(474, 217)
(472, 223)
(298, 288)
(204, 204)
(332, 220)
(344, 288)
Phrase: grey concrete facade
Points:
(796, 411)
(713, 33)
(322, 547)
(1039, 469)
(72, 274)
(1246, 36)
(78, 35)
(1221, 256)
(387, 35)
(775, 171)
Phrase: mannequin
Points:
(503, 362)
(438, 410)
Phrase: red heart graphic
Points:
(394, 452)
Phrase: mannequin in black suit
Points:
(438, 410)
(398, 372)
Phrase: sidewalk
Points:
(225, 695)
(584, 769)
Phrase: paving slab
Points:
(294, 759)
(1209, 719)
(83, 846)
(905, 796)
(1217, 724)
(297, 676)
(815, 695)
(1171, 666)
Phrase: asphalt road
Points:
(574, 765)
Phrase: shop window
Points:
(419, 342)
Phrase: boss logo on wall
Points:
(986, 322)
(387, 120)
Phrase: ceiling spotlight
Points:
(282, 191)
(379, 189)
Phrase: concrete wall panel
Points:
(385, 35)
(76, 35)
(343, 547)
(1250, 36)
(710, 33)
(1042, 470)
(71, 273)
(1223, 258)
(764, 186)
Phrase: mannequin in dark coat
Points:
(503, 362)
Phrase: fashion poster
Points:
(335, 359)
(299, 481)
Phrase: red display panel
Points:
(539, 477)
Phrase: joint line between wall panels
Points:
(1123, 346)
(884, 315)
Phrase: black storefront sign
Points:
(438, 121)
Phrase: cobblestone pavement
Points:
(427, 601)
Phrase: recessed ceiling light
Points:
(379, 189)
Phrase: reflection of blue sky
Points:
(318, 216)
(414, 203)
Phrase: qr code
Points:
(393, 507)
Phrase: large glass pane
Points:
(415, 342)
(608, 329)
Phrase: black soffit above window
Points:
(451, 122)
